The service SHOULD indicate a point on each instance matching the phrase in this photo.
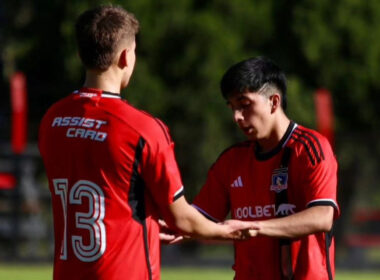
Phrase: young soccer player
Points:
(284, 178)
(111, 168)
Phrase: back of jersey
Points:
(91, 154)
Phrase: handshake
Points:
(227, 230)
(239, 230)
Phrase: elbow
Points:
(326, 219)
(327, 225)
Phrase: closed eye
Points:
(240, 103)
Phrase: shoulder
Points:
(235, 151)
(311, 144)
(126, 116)
(151, 128)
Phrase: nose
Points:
(238, 116)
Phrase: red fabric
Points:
(97, 168)
(240, 182)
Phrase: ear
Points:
(123, 58)
(275, 101)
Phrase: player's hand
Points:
(240, 230)
(171, 238)
(168, 236)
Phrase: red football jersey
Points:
(244, 181)
(111, 169)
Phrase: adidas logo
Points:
(237, 183)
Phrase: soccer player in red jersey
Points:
(284, 178)
(111, 168)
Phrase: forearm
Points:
(189, 221)
(309, 221)
(198, 226)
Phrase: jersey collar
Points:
(94, 92)
(264, 156)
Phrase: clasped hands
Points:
(240, 230)
(231, 230)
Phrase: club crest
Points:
(279, 180)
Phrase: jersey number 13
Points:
(92, 221)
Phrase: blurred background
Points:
(329, 50)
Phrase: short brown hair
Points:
(99, 32)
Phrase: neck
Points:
(277, 132)
(107, 80)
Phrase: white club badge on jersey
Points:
(279, 180)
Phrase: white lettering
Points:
(238, 213)
(56, 122)
(84, 133)
(81, 121)
(89, 123)
(75, 121)
(250, 213)
(99, 123)
(101, 136)
(260, 211)
(79, 132)
(78, 121)
(267, 210)
(65, 121)
(90, 134)
(245, 212)
(69, 132)
(73, 132)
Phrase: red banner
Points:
(325, 114)
(19, 112)
(7, 181)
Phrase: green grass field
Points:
(14, 272)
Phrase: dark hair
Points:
(99, 32)
(251, 75)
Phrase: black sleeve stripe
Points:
(164, 129)
(310, 144)
(323, 203)
(306, 148)
(178, 195)
(316, 140)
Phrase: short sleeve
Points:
(160, 169)
(319, 179)
(213, 199)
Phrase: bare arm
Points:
(189, 221)
(311, 220)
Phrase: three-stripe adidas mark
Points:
(237, 183)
